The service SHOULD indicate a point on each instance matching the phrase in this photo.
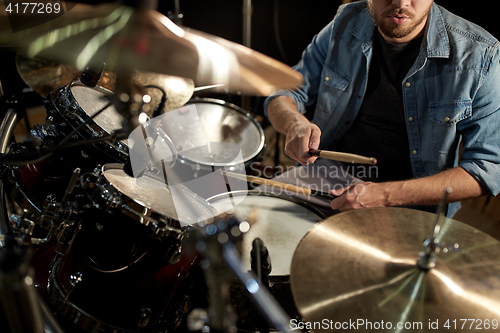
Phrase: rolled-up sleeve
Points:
(481, 133)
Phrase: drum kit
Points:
(86, 247)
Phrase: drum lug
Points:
(115, 202)
(50, 215)
(73, 281)
(24, 225)
(85, 155)
(63, 241)
(144, 318)
(176, 256)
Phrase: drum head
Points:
(281, 224)
(220, 123)
(157, 196)
(91, 100)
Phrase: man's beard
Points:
(395, 30)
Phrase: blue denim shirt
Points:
(451, 93)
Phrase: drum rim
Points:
(290, 198)
(68, 309)
(78, 83)
(240, 110)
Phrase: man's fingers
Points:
(340, 191)
(315, 138)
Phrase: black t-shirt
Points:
(380, 127)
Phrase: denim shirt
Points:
(451, 93)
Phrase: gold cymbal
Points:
(127, 39)
(361, 267)
(179, 90)
(43, 76)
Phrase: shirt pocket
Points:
(333, 85)
(444, 119)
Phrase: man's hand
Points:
(301, 137)
(361, 195)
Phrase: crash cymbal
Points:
(359, 269)
(125, 39)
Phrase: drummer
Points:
(403, 81)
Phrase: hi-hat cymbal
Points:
(360, 268)
(127, 39)
(43, 76)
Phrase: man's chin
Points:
(396, 31)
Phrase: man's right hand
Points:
(301, 137)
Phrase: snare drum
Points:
(282, 222)
(123, 270)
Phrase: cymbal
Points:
(127, 39)
(43, 76)
(183, 205)
(361, 267)
(179, 90)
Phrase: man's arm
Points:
(421, 191)
(301, 135)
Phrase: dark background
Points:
(299, 20)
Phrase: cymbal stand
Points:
(427, 258)
(20, 305)
(6, 130)
(218, 244)
(176, 16)
(17, 292)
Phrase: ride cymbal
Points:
(358, 271)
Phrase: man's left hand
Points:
(360, 195)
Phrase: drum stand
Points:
(22, 308)
(218, 242)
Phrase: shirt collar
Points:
(438, 44)
(436, 39)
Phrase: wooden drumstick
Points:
(343, 157)
(280, 185)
